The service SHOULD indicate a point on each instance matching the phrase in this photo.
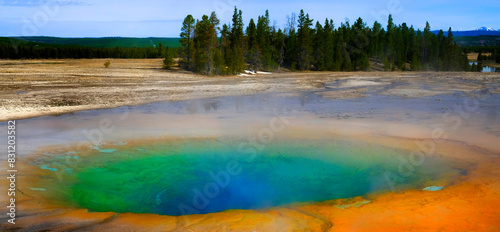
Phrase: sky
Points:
(163, 18)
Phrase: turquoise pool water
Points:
(204, 176)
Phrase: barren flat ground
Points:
(449, 120)
(30, 88)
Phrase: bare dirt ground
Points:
(31, 88)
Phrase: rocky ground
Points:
(31, 88)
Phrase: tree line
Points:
(208, 48)
(494, 56)
(15, 49)
(482, 49)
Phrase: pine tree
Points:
(291, 51)
(443, 48)
(430, 49)
(168, 61)
(236, 61)
(251, 35)
(319, 47)
(375, 48)
(204, 42)
(304, 41)
(451, 56)
(387, 64)
(218, 61)
(389, 39)
(339, 56)
(160, 50)
(215, 22)
(358, 46)
(224, 44)
(415, 64)
(253, 51)
(398, 49)
(187, 42)
(279, 45)
(412, 45)
(329, 40)
(263, 33)
(404, 48)
(479, 66)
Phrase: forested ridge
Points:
(105, 42)
(11, 48)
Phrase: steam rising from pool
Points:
(206, 176)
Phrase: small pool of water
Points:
(205, 176)
(486, 68)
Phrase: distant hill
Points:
(482, 31)
(482, 40)
(106, 42)
(17, 42)
(483, 36)
(471, 33)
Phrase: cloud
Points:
(37, 3)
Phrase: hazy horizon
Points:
(155, 18)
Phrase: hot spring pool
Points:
(198, 176)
